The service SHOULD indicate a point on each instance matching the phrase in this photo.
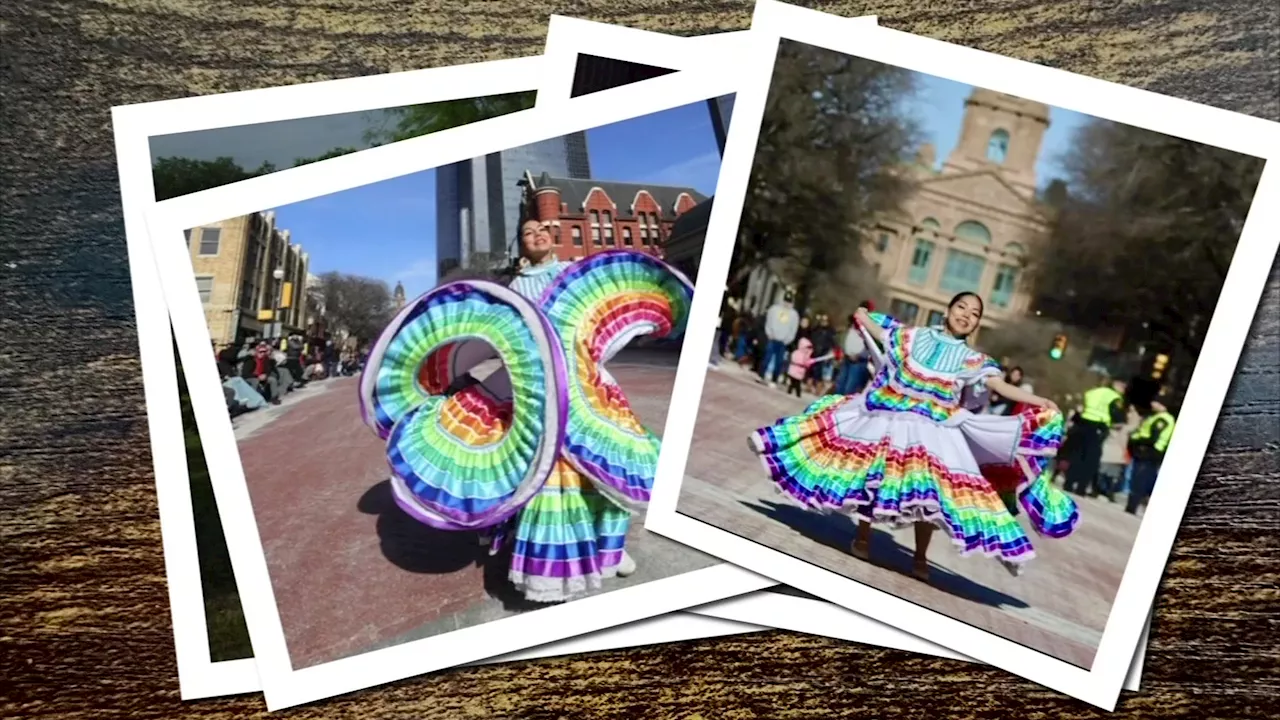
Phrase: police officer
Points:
(1103, 407)
(1147, 446)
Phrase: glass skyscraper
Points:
(478, 200)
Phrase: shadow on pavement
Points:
(837, 531)
(415, 547)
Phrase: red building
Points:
(588, 216)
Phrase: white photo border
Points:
(282, 685)
(1211, 378)
(134, 126)
(569, 37)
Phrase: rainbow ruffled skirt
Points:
(900, 467)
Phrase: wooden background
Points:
(84, 620)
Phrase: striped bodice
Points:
(534, 279)
(925, 372)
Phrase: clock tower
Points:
(1001, 133)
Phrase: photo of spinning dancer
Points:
(447, 388)
(957, 330)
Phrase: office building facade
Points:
(235, 263)
(478, 200)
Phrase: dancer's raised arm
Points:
(873, 328)
(1013, 392)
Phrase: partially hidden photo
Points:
(445, 387)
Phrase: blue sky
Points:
(387, 230)
(939, 106)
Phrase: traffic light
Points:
(1158, 365)
(1059, 347)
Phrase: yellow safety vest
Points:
(1144, 430)
(1097, 405)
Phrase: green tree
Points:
(336, 152)
(829, 160)
(1144, 234)
(417, 120)
(177, 176)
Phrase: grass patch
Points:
(224, 618)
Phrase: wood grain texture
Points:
(84, 622)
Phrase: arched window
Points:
(1015, 249)
(595, 228)
(608, 228)
(998, 146)
(974, 232)
(930, 224)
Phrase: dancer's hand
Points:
(1049, 404)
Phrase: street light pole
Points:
(278, 274)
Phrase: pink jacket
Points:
(801, 359)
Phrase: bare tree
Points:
(358, 305)
(1145, 234)
(834, 135)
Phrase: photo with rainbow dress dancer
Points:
(957, 329)
(449, 408)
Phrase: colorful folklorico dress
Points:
(544, 450)
(906, 450)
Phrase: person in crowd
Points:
(823, 337)
(330, 359)
(854, 371)
(241, 396)
(259, 370)
(781, 325)
(1104, 407)
(1148, 445)
(1114, 460)
(724, 323)
(801, 362)
(742, 326)
(293, 361)
(284, 377)
(759, 344)
(806, 329)
(904, 451)
(1003, 406)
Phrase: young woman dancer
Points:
(906, 452)
(500, 416)
(569, 537)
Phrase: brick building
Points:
(588, 216)
(969, 224)
(236, 262)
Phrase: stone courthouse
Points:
(969, 224)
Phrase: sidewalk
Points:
(1058, 606)
(350, 571)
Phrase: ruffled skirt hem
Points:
(897, 470)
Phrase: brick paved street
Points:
(1058, 606)
(349, 570)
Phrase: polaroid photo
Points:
(335, 518)
(942, 236)
(170, 148)
(579, 50)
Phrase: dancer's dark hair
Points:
(982, 306)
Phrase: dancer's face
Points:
(535, 239)
(963, 317)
